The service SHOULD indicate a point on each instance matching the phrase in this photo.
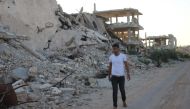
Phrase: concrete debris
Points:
(55, 91)
(185, 50)
(45, 86)
(22, 97)
(67, 89)
(18, 83)
(20, 73)
(58, 55)
(92, 82)
(103, 83)
(33, 71)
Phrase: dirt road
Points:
(159, 88)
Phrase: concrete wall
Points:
(23, 17)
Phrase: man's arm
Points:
(109, 70)
(127, 68)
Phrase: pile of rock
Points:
(59, 59)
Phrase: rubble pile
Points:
(55, 81)
(43, 77)
(185, 50)
(56, 56)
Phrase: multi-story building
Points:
(124, 23)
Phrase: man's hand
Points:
(109, 71)
(109, 77)
(128, 77)
(127, 68)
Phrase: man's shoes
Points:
(124, 104)
(114, 107)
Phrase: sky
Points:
(160, 17)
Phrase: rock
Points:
(58, 79)
(76, 92)
(151, 65)
(45, 86)
(102, 74)
(55, 80)
(93, 82)
(104, 83)
(33, 71)
(86, 82)
(17, 84)
(42, 76)
(67, 89)
(2, 66)
(55, 91)
(41, 79)
(33, 97)
(20, 91)
(23, 97)
(20, 73)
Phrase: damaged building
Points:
(50, 51)
(56, 56)
(162, 41)
(126, 25)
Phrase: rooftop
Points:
(124, 26)
(157, 37)
(118, 12)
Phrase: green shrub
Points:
(163, 55)
(187, 56)
(155, 55)
(183, 55)
(144, 60)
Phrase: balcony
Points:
(125, 26)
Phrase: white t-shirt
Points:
(118, 66)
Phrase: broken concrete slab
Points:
(55, 91)
(20, 73)
(45, 86)
(33, 71)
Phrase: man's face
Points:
(115, 50)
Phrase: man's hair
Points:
(115, 45)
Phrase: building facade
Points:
(124, 23)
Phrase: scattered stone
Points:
(42, 76)
(23, 97)
(33, 71)
(45, 86)
(21, 90)
(18, 83)
(55, 80)
(77, 49)
(55, 91)
(104, 83)
(67, 89)
(93, 82)
(20, 73)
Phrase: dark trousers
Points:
(118, 81)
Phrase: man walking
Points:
(117, 66)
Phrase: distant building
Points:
(162, 41)
(125, 24)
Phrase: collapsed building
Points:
(126, 25)
(48, 51)
(58, 56)
(163, 41)
(54, 55)
(45, 24)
